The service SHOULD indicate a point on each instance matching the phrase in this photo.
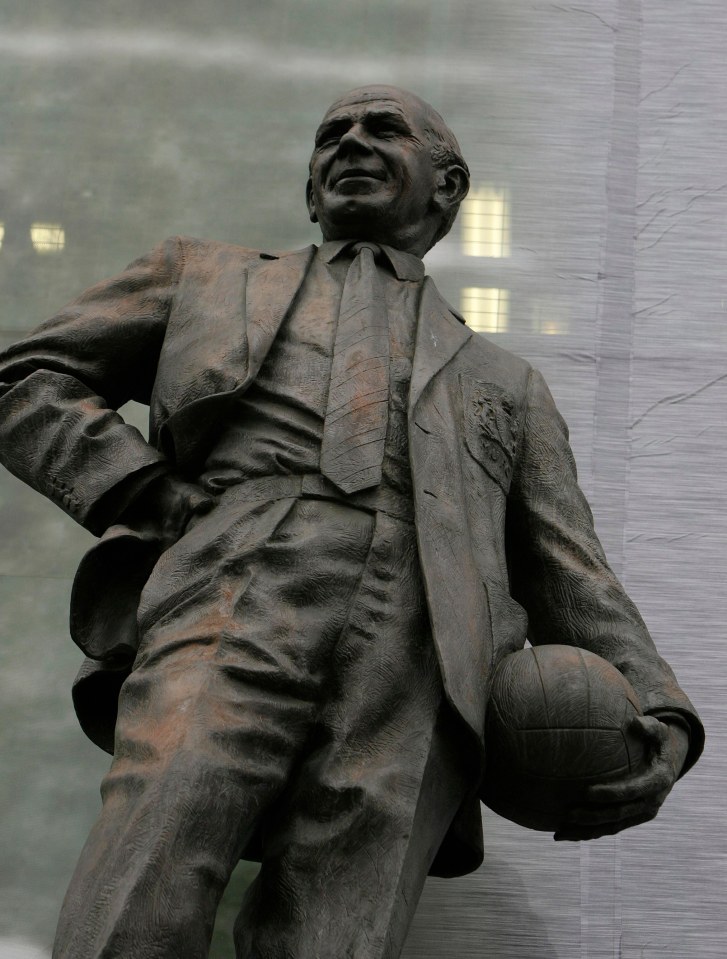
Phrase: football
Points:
(558, 720)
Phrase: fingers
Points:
(186, 499)
(177, 501)
(592, 822)
(611, 807)
(655, 781)
(582, 833)
(622, 812)
(651, 783)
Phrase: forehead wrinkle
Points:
(349, 111)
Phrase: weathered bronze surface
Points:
(307, 576)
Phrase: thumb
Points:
(199, 502)
(654, 733)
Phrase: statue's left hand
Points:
(637, 798)
(166, 506)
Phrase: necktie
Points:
(354, 432)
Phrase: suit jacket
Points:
(505, 535)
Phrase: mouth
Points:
(359, 173)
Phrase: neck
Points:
(416, 240)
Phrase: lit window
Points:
(2, 234)
(486, 309)
(47, 237)
(485, 218)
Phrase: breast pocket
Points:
(490, 428)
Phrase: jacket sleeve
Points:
(559, 572)
(60, 388)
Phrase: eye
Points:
(383, 128)
(330, 135)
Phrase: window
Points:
(486, 309)
(486, 222)
(47, 237)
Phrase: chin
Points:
(356, 216)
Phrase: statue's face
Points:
(372, 173)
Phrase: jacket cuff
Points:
(115, 501)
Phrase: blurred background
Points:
(593, 243)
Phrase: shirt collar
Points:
(406, 266)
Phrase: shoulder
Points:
(199, 251)
(479, 356)
(498, 356)
(486, 360)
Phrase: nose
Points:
(354, 140)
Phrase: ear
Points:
(310, 202)
(453, 183)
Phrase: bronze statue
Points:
(348, 508)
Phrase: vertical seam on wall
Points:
(614, 330)
(614, 345)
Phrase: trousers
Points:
(287, 687)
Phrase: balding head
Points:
(386, 166)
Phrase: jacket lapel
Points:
(271, 287)
(439, 336)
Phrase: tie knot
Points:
(360, 245)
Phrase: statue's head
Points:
(385, 167)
